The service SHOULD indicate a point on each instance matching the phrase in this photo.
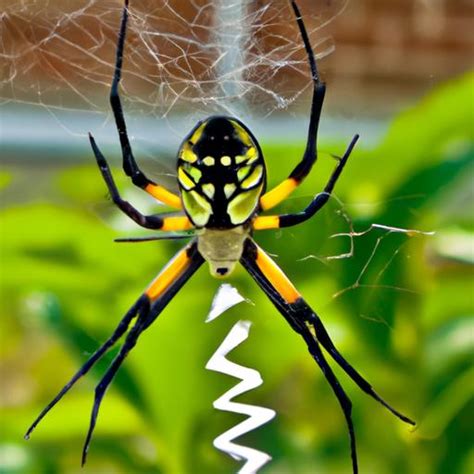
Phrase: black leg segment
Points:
(147, 308)
(129, 164)
(148, 313)
(306, 322)
(248, 260)
(150, 222)
(117, 334)
(287, 220)
(319, 90)
(101, 388)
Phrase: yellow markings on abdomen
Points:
(184, 180)
(254, 177)
(243, 205)
(226, 160)
(241, 133)
(197, 133)
(276, 277)
(187, 154)
(168, 275)
(197, 207)
(252, 154)
(209, 189)
(229, 189)
(243, 172)
(209, 161)
(240, 159)
(194, 172)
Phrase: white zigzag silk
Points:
(250, 379)
(226, 297)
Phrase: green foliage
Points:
(5, 179)
(398, 306)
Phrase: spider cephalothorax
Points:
(221, 178)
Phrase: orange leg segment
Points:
(163, 195)
(276, 277)
(278, 193)
(176, 223)
(175, 268)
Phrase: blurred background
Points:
(387, 264)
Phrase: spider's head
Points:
(221, 173)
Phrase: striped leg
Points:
(158, 295)
(296, 177)
(287, 220)
(129, 164)
(117, 334)
(305, 322)
(146, 310)
(150, 222)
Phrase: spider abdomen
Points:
(221, 174)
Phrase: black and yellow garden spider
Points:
(222, 180)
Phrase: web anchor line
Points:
(249, 379)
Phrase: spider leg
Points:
(129, 164)
(101, 388)
(158, 295)
(323, 337)
(305, 322)
(150, 222)
(153, 237)
(342, 397)
(148, 307)
(283, 190)
(117, 334)
(287, 220)
(272, 281)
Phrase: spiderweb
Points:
(363, 250)
(180, 57)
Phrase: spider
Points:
(222, 192)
